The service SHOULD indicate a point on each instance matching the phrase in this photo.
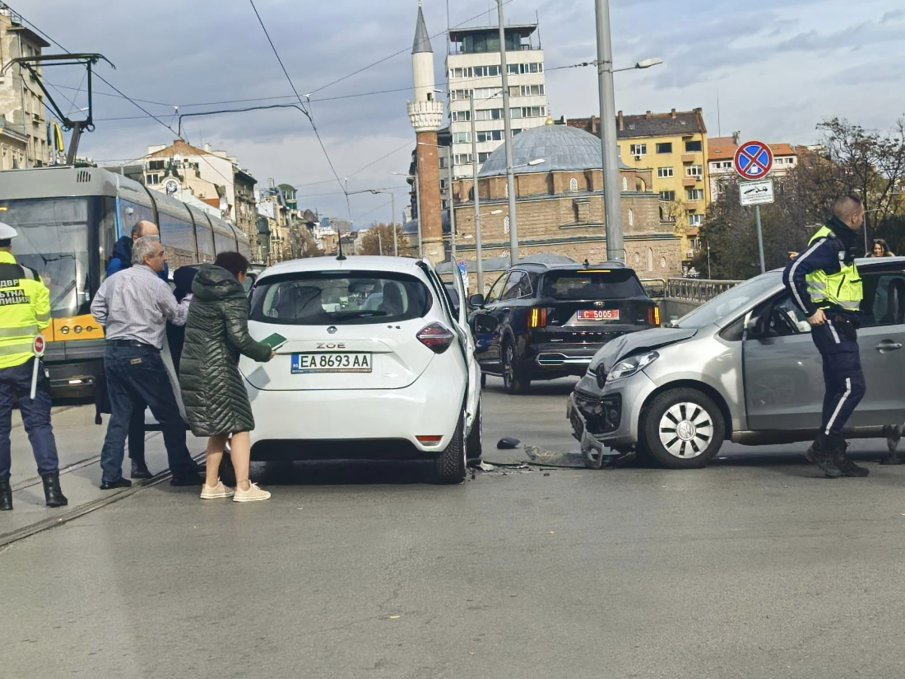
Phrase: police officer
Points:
(825, 283)
(24, 314)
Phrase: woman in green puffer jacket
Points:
(216, 404)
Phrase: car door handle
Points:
(888, 345)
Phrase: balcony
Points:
(687, 157)
(691, 182)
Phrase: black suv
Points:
(543, 320)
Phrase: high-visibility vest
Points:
(24, 311)
(842, 289)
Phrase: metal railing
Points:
(696, 290)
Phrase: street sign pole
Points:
(753, 161)
(760, 239)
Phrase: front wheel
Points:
(449, 467)
(682, 429)
(513, 380)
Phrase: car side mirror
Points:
(476, 301)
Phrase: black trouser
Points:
(136, 373)
(843, 378)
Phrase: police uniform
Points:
(24, 314)
(825, 277)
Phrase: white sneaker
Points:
(215, 492)
(253, 494)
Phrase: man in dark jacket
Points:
(825, 284)
(122, 259)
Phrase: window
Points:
(665, 147)
(664, 172)
(573, 185)
(486, 71)
(461, 116)
(668, 195)
(576, 285)
(631, 217)
(521, 69)
(695, 220)
(694, 171)
(153, 178)
(638, 149)
(177, 235)
(339, 298)
(462, 159)
(488, 135)
(494, 293)
(692, 146)
(531, 90)
(461, 137)
(695, 194)
(156, 165)
(534, 111)
(884, 299)
(517, 286)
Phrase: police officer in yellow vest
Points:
(825, 283)
(24, 314)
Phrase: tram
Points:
(68, 220)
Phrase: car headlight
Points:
(629, 366)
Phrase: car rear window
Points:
(338, 298)
(592, 284)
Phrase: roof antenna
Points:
(340, 257)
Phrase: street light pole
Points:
(393, 223)
(479, 258)
(507, 126)
(612, 192)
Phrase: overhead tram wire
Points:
(306, 111)
(97, 75)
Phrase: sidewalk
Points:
(79, 443)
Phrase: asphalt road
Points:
(753, 567)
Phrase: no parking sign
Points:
(753, 160)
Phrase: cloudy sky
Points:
(776, 68)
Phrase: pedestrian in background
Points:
(825, 283)
(134, 306)
(880, 249)
(24, 314)
(122, 259)
(216, 402)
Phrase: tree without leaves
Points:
(378, 240)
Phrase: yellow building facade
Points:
(673, 148)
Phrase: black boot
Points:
(140, 470)
(843, 463)
(53, 496)
(6, 496)
(820, 453)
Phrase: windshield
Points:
(596, 284)
(338, 298)
(53, 240)
(721, 307)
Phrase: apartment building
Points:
(673, 146)
(473, 69)
(23, 123)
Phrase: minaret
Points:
(426, 113)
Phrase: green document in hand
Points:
(274, 341)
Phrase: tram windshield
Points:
(53, 240)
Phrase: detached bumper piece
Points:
(602, 415)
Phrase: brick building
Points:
(560, 205)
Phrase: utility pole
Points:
(479, 258)
(507, 125)
(393, 223)
(612, 192)
(452, 212)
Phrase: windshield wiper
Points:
(362, 313)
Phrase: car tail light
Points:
(429, 440)
(653, 316)
(436, 337)
(538, 318)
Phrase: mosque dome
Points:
(562, 148)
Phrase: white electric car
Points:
(376, 364)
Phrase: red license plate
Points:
(598, 315)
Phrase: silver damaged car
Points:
(740, 367)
